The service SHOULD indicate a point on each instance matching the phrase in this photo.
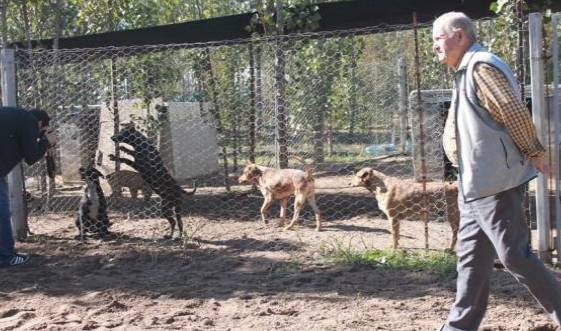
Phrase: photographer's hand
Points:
(51, 137)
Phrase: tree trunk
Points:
(252, 108)
(234, 118)
(353, 104)
(258, 90)
(57, 84)
(215, 110)
(4, 10)
(113, 104)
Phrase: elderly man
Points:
(23, 135)
(491, 139)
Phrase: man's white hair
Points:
(452, 21)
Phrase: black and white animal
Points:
(92, 215)
(148, 163)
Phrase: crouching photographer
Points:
(24, 135)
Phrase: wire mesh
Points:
(202, 113)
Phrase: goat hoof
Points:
(167, 236)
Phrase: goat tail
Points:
(194, 189)
(309, 175)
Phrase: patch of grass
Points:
(358, 310)
(39, 238)
(154, 255)
(337, 252)
(440, 262)
(347, 158)
(284, 267)
(190, 232)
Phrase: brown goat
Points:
(399, 199)
(281, 184)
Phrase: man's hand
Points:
(51, 137)
(541, 165)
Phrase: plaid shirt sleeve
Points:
(449, 138)
(505, 107)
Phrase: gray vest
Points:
(488, 159)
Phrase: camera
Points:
(49, 158)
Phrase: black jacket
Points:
(19, 139)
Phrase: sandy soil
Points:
(235, 273)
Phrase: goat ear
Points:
(256, 172)
(378, 177)
(365, 173)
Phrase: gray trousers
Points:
(489, 225)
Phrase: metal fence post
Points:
(402, 87)
(555, 58)
(15, 178)
(539, 114)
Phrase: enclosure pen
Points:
(329, 97)
(172, 123)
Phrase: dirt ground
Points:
(236, 273)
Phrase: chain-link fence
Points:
(201, 113)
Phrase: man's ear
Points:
(460, 34)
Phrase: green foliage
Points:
(151, 123)
(509, 6)
(296, 18)
(504, 43)
(79, 17)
